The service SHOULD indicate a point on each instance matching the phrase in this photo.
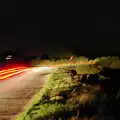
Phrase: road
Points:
(15, 92)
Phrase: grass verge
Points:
(64, 97)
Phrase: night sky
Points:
(85, 27)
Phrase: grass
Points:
(60, 62)
(110, 61)
(63, 97)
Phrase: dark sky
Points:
(87, 27)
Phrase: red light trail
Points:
(6, 73)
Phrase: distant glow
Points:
(45, 68)
(37, 69)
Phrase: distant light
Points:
(38, 69)
(9, 57)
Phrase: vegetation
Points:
(70, 94)
(61, 62)
(110, 61)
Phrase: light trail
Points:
(6, 70)
(9, 74)
(10, 71)
(12, 74)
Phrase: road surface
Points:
(15, 92)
